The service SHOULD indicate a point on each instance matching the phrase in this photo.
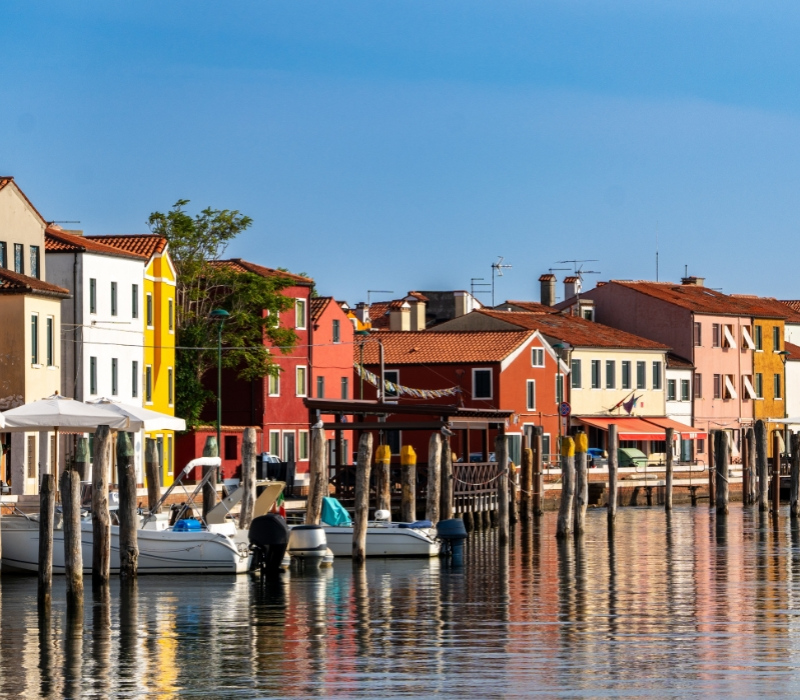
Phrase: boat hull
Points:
(160, 551)
(383, 542)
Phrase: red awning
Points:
(687, 432)
(633, 428)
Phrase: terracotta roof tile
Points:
(574, 330)
(379, 314)
(530, 306)
(144, 244)
(453, 347)
(792, 303)
(547, 277)
(677, 362)
(793, 350)
(239, 265)
(769, 307)
(15, 283)
(318, 306)
(58, 241)
(419, 296)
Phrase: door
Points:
(686, 450)
(288, 457)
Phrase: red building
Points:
(489, 370)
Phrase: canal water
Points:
(679, 605)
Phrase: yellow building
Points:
(158, 317)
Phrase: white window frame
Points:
(575, 363)
(475, 371)
(280, 445)
(300, 324)
(297, 371)
(537, 357)
(36, 342)
(658, 365)
(303, 446)
(531, 405)
(386, 393)
(149, 310)
(641, 364)
(277, 379)
(596, 365)
(688, 384)
(145, 387)
(613, 365)
(170, 386)
(50, 341)
(626, 364)
(673, 391)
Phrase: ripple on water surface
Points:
(675, 605)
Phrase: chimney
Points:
(463, 303)
(548, 289)
(362, 312)
(572, 287)
(694, 281)
(418, 315)
(400, 317)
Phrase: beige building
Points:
(30, 348)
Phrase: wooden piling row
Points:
(565, 514)
(408, 483)
(128, 520)
(361, 514)
(47, 503)
(70, 487)
(101, 519)
(581, 481)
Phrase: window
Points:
(672, 390)
(776, 338)
(3, 256)
(698, 386)
(684, 389)
(514, 448)
(92, 295)
(537, 357)
(546, 446)
(302, 445)
(134, 379)
(481, 384)
(92, 375)
(300, 313)
(51, 342)
(626, 374)
(701, 445)
(728, 387)
(134, 301)
(320, 387)
(274, 385)
(759, 338)
(114, 386)
(231, 448)
(559, 388)
(576, 374)
(300, 381)
(34, 253)
(168, 457)
(345, 388)
(171, 315)
(641, 375)
(394, 440)
(531, 394)
(336, 331)
(759, 385)
(595, 374)
(170, 387)
(698, 334)
(747, 339)
(657, 376)
(275, 443)
(715, 336)
(717, 386)
(776, 380)
(34, 339)
(393, 376)
(149, 309)
(148, 384)
(19, 263)
(588, 314)
(611, 374)
(31, 456)
(113, 298)
(748, 390)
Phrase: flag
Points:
(630, 404)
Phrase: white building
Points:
(679, 398)
(102, 330)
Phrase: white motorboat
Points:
(384, 538)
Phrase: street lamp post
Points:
(219, 315)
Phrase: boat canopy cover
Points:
(334, 514)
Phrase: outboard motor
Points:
(452, 533)
(268, 536)
(308, 542)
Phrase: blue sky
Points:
(407, 145)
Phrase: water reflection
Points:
(676, 604)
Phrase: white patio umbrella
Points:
(58, 412)
(140, 418)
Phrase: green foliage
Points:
(197, 245)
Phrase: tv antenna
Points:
(498, 267)
(478, 282)
(579, 272)
(370, 292)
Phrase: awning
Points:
(687, 432)
(633, 428)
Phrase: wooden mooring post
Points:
(317, 477)
(211, 449)
(712, 479)
(434, 483)
(47, 503)
(446, 476)
(248, 478)
(538, 473)
(750, 439)
(501, 455)
(70, 487)
(383, 481)
(669, 433)
(776, 473)
(761, 464)
(746, 475)
(82, 458)
(581, 481)
(526, 485)
(152, 472)
(722, 462)
(794, 492)
(361, 515)
(101, 519)
(128, 520)
(613, 461)
(408, 483)
(565, 516)
(513, 494)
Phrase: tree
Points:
(206, 282)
